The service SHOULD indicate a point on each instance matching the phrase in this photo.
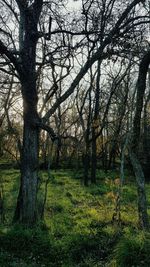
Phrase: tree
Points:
(134, 149)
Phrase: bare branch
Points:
(4, 51)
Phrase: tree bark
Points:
(26, 205)
(27, 199)
(134, 146)
(142, 203)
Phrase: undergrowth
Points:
(77, 230)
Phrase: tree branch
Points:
(98, 55)
(4, 51)
(48, 129)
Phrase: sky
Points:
(74, 5)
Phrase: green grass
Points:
(77, 229)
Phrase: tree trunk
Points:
(94, 157)
(95, 125)
(86, 156)
(58, 149)
(134, 146)
(26, 211)
(140, 180)
(27, 200)
(86, 160)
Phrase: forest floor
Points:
(77, 230)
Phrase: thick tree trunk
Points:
(26, 211)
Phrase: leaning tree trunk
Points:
(134, 146)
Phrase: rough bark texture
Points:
(26, 206)
(27, 199)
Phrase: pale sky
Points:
(74, 5)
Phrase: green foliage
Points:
(129, 193)
(133, 250)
